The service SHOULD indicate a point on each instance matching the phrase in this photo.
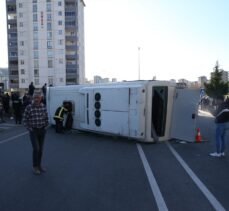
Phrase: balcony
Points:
(71, 66)
(70, 37)
(70, 47)
(71, 57)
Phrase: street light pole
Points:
(138, 63)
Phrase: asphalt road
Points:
(92, 172)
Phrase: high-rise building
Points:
(202, 80)
(224, 76)
(45, 42)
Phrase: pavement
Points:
(100, 173)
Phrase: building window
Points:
(20, 5)
(13, 54)
(50, 79)
(35, 35)
(22, 80)
(60, 32)
(35, 45)
(20, 15)
(59, 3)
(21, 24)
(48, 0)
(34, 17)
(61, 79)
(35, 54)
(36, 72)
(22, 62)
(49, 26)
(35, 8)
(36, 81)
(21, 43)
(50, 54)
(50, 63)
(22, 71)
(49, 17)
(48, 7)
(35, 26)
(36, 63)
(70, 23)
(60, 13)
(49, 44)
(49, 35)
(60, 23)
(12, 35)
(70, 14)
(34, 1)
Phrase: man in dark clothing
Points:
(44, 88)
(1, 110)
(59, 118)
(36, 121)
(17, 106)
(25, 101)
(222, 124)
(6, 103)
(31, 89)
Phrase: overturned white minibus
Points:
(146, 111)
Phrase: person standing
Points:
(59, 117)
(6, 103)
(17, 106)
(31, 89)
(44, 88)
(1, 110)
(222, 124)
(36, 121)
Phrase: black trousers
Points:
(37, 136)
(59, 126)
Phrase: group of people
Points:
(14, 105)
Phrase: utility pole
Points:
(139, 63)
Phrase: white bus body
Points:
(142, 110)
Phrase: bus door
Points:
(184, 113)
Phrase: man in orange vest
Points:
(59, 117)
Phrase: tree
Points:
(217, 87)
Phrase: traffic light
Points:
(97, 112)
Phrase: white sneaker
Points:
(215, 154)
(223, 154)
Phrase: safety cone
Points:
(198, 136)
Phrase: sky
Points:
(128, 39)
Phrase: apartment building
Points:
(45, 42)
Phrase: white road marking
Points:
(14, 137)
(152, 181)
(213, 201)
